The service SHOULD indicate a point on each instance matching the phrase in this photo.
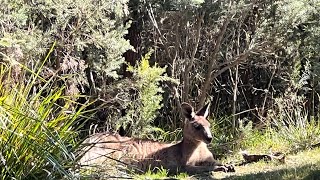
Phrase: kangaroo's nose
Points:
(209, 139)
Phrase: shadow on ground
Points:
(306, 172)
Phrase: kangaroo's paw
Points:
(224, 168)
(230, 168)
(220, 168)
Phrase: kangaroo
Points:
(190, 155)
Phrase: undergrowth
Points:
(289, 129)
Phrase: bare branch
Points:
(241, 58)
(186, 87)
(216, 50)
(155, 25)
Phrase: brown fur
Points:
(189, 155)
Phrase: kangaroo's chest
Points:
(198, 156)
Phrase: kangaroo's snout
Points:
(207, 135)
(208, 140)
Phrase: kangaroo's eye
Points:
(197, 126)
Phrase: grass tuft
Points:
(36, 133)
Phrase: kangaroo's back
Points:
(140, 153)
(99, 147)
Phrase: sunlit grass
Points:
(160, 174)
(303, 165)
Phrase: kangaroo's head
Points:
(196, 127)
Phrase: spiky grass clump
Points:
(36, 133)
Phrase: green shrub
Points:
(143, 109)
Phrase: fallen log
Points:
(251, 158)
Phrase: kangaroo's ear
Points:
(204, 111)
(187, 110)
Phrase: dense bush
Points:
(89, 36)
(241, 55)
